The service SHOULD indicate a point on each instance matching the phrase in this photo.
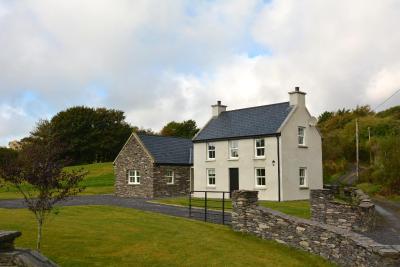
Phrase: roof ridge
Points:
(280, 103)
(163, 136)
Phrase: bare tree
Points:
(39, 176)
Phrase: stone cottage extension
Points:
(150, 166)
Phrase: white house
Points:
(275, 149)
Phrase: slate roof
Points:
(253, 121)
(168, 150)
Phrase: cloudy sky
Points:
(170, 60)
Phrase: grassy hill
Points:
(99, 180)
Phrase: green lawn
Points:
(112, 236)
(99, 180)
(299, 208)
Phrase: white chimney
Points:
(297, 98)
(217, 109)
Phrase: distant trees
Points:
(88, 134)
(379, 134)
(186, 129)
(37, 173)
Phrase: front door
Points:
(233, 179)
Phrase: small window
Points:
(210, 151)
(303, 177)
(301, 136)
(260, 177)
(260, 148)
(133, 177)
(210, 177)
(234, 149)
(170, 177)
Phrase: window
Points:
(210, 151)
(260, 177)
(301, 136)
(170, 177)
(234, 149)
(133, 177)
(211, 177)
(303, 177)
(260, 148)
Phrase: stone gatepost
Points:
(319, 198)
(243, 201)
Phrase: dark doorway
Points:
(233, 179)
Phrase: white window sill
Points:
(211, 186)
(302, 146)
(210, 160)
(259, 158)
(304, 187)
(260, 188)
(233, 159)
(133, 183)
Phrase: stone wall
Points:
(343, 247)
(10, 256)
(359, 215)
(181, 183)
(133, 157)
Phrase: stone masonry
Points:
(181, 181)
(338, 245)
(153, 182)
(134, 157)
(359, 215)
(12, 257)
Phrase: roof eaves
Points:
(236, 137)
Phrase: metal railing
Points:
(210, 205)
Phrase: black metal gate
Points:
(210, 206)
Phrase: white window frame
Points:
(260, 176)
(133, 177)
(304, 176)
(210, 150)
(232, 148)
(303, 136)
(210, 173)
(256, 148)
(170, 176)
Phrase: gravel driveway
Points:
(140, 204)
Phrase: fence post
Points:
(190, 204)
(223, 207)
(205, 207)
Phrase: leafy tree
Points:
(89, 134)
(38, 175)
(186, 129)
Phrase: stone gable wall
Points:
(181, 184)
(343, 247)
(359, 216)
(134, 157)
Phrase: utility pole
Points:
(357, 153)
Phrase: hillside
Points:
(379, 146)
(99, 180)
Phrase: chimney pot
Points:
(219, 102)
(297, 89)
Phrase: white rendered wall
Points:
(246, 164)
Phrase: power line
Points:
(386, 100)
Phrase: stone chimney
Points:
(217, 109)
(297, 97)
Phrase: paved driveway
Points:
(140, 204)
